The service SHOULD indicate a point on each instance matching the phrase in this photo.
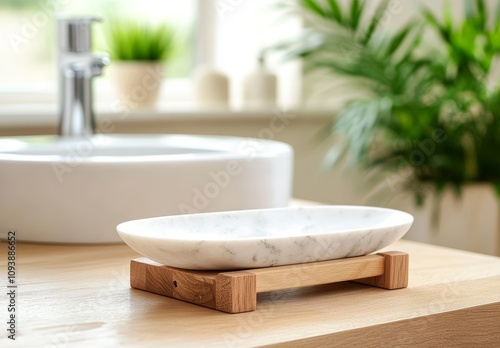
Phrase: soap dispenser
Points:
(259, 88)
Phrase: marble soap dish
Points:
(266, 237)
(190, 257)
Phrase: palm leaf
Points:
(313, 7)
(434, 22)
(403, 98)
(357, 7)
(481, 14)
(397, 40)
(335, 10)
(374, 22)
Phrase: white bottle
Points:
(210, 88)
(259, 88)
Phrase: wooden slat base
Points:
(236, 291)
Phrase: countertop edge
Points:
(37, 115)
(471, 326)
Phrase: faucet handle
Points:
(98, 63)
(74, 34)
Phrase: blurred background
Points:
(297, 68)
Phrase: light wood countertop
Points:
(72, 296)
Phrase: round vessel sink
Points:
(76, 190)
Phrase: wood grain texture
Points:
(462, 329)
(80, 296)
(395, 274)
(307, 274)
(236, 291)
(194, 287)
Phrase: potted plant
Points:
(137, 50)
(421, 117)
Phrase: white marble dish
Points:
(264, 237)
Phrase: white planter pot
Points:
(469, 222)
(138, 83)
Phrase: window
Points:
(227, 34)
(27, 43)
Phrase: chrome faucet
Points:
(77, 65)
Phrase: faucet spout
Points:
(77, 66)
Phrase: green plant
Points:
(422, 116)
(21, 5)
(132, 40)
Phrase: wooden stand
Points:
(236, 291)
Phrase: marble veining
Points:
(265, 237)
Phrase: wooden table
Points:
(80, 296)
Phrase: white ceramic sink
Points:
(76, 190)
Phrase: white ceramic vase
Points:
(137, 83)
(469, 222)
(210, 88)
(260, 89)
